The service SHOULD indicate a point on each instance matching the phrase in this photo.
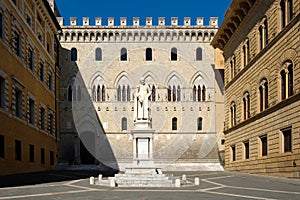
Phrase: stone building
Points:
(28, 86)
(101, 67)
(260, 44)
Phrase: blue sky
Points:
(142, 9)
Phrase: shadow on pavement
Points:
(50, 177)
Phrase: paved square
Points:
(214, 185)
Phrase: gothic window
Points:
(70, 93)
(123, 54)
(124, 124)
(199, 93)
(174, 93)
(128, 93)
(98, 56)
(174, 124)
(173, 54)
(148, 54)
(199, 123)
(73, 54)
(263, 94)
(233, 114)
(246, 105)
(203, 93)
(199, 54)
(123, 93)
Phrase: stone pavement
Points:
(214, 185)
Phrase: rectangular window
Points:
(42, 72)
(50, 80)
(18, 149)
(233, 153)
(287, 140)
(2, 92)
(31, 153)
(2, 146)
(264, 145)
(51, 158)
(17, 44)
(31, 111)
(42, 118)
(51, 124)
(31, 59)
(18, 103)
(246, 150)
(42, 156)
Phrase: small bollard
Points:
(184, 177)
(92, 180)
(197, 181)
(99, 178)
(177, 183)
(112, 183)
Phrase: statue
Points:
(141, 101)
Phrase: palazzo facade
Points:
(101, 68)
(260, 41)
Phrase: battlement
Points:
(199, 22)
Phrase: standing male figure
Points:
(141, 101)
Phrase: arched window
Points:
(290, 80)
(199, 124)
(203, 93)
(70, 93)
(199, 54)
(199, 93)
(94, 95)
(174, 124)
(98, 56)
(232, 67)
(148, 54)
(246, 53)
(233, 114)
(263, 34)
(123, 54)
(73, 54)
(128, 93)
(246, 105)
(263, 94)
(173, 53)
(124, 124)
(123, 93)
(283, 84)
